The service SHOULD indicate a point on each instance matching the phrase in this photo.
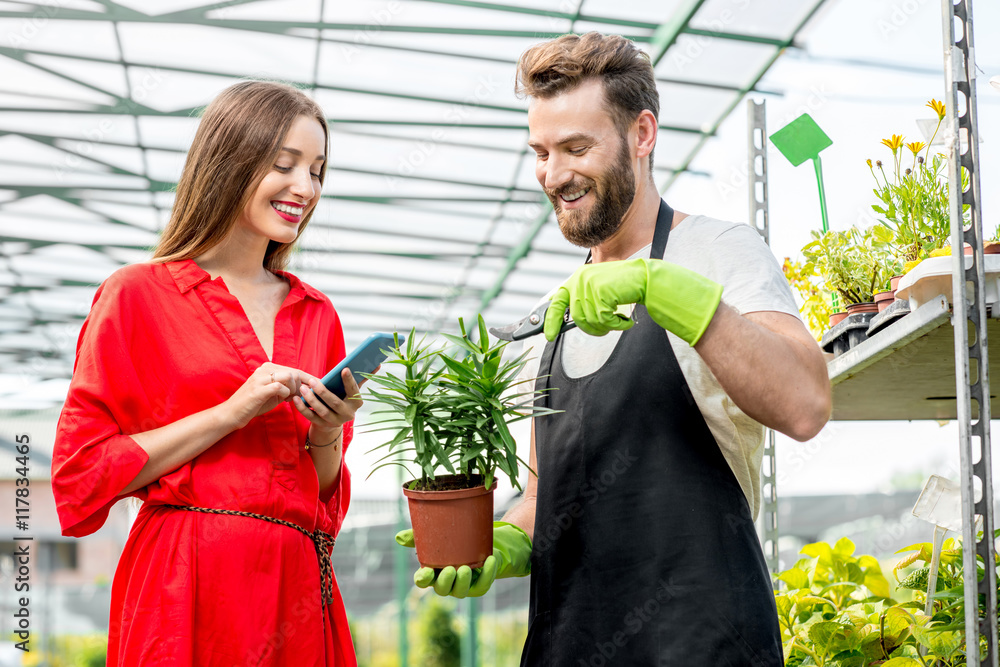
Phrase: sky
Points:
(866, 72)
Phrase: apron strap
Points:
(664, 219)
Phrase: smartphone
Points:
(365, 358)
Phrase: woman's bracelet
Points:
(310, 443)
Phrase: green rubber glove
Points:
(679, 300)
(511, 558)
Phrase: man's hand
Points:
(678, 299)
(511, 558)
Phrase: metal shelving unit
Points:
(921, 368)
(757, 154)
(918, 367)
(972, 380)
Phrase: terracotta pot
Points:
(884, 299)
(837, 318)
(991, 248)
(868, 307)
(453, 527)
(894, 282)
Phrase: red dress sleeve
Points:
(339, 498)
(93, 460)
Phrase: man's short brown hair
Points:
(560, 65)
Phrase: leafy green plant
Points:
(836, 610)
(69, 651)
(855, 264)
(441, 643)
(826, 595)
(449, 409)
(913, 200)
(816, 306)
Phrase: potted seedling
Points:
(855, 264)
(913, 204)
(448, 411)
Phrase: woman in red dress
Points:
(193, 390)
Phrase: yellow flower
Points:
(908, 266)
(941, 252)
(938, 108)
(894, 143)
(869, 163)
(916, 146)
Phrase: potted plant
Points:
(854, 264)
(816, 309)
(913, 198)
(448, 412)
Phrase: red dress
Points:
(163, 341)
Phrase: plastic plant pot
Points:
(454, 526)
(884, 299)
(867, 307)
(837, 318)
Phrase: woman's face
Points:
(291, 188)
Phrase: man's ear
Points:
(645, 134)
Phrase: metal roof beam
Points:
(281, 27)
(666, 35)
(431, 179)
(760, 75)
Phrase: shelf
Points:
(906, 371)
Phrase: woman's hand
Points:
(328, 421)
(265, 389)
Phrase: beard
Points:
(613, 194)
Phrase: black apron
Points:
(644, 552)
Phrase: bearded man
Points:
(638, 531)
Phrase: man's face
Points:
(582, 163)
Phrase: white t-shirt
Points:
(735, 256)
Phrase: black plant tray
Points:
(846, 334)
(897, 309)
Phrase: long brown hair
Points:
(560, 65)
(237, 142)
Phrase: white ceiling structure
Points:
(430, 211)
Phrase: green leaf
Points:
(844, 548)
(853, 658)
(897, 624)
(795, 578)
(822, 633)
(902, 662)
(807, 602)
(944, 644)
(876, 582)
(916, 580)
(820, 550)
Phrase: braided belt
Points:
(321, 540)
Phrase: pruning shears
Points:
(531, 325)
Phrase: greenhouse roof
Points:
(431, 209)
